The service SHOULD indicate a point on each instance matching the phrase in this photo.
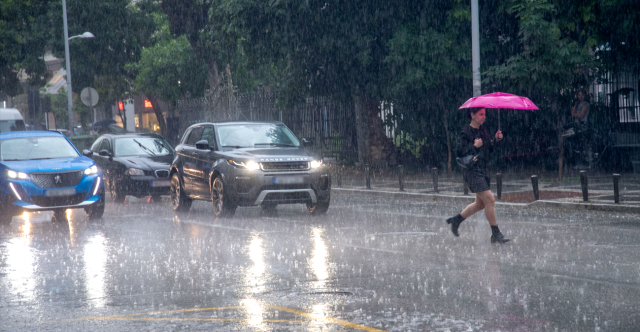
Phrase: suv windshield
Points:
(31, 148)
(250, 135)
(136, 146)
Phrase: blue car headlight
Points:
(91, 170)
(16, 175)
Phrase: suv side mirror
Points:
(202, 145)
(87, 153)
(307, 141)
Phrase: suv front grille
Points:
(56, 180)
(285, 166)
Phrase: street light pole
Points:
(475, 49)
(68, 62)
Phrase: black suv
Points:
(247, 164)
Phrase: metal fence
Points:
(330, 124)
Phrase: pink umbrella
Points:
(500, 100)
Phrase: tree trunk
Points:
(214, 77)
(362, 128)
(156, 109)
(554, 107)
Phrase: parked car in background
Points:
(247, 164)
(11, 120)
(134, 164)
(42, 170)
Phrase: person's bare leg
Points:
(472, 208)
(489, 206)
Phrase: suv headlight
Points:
(316, 163)
(134, 172)
(248, 165)
(15, 175)
(91, 170)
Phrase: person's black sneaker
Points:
(498, 238)
(455, 222)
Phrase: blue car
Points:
(42, 170)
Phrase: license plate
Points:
(60, 192)
(161, 183)
(288, 180)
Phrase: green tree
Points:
(167, 70)
(550, 61)
(24, 36)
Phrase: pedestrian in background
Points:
(475, 140)
(580, 115)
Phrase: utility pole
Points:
(475, 49)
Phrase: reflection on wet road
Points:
(369, 265)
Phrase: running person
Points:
(475, 139)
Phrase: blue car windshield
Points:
(259, 134)
(142, 146)
(34, 148)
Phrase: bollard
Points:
(340, 176)
(400, 175)
(499, 185)
(367, 172)
(466, 186)
(534, 183)
(434, 174)
(616, 188)
(584, 185)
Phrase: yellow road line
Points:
(137, 317)
(329, 319)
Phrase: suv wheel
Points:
(96, 210)
(222, 205)
(320, 208)
(179, 200)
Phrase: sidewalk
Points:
(516, 188)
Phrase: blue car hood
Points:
(50, 165)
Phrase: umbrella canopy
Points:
(500, 100)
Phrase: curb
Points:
(468, 199)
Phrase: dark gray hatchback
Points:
(247, 164)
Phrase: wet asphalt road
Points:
(368, 265)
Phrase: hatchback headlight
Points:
(134, 171)
(248, 165)
(316, 163)
(16, 175)
(91, 170)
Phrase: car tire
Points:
(60, 215)
(118, 194)
(5, 216)
(223, 206)
(96, 210)
(321, 206)
(179, 200)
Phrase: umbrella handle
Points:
(499, 119)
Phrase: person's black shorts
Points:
(478, 179)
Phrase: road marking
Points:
(312, 317)
(376, 249)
